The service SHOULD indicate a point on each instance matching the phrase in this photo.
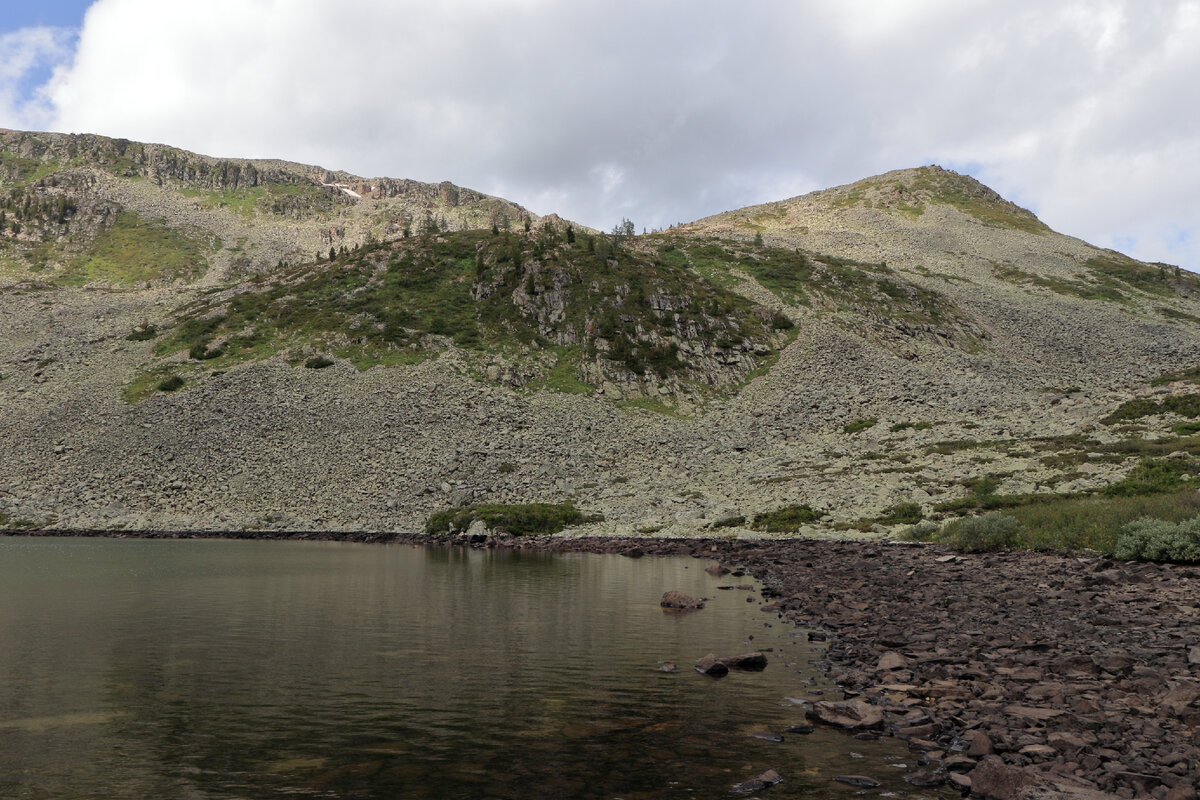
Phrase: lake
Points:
(247, 669)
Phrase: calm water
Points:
(226, 669)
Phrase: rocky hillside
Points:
(188, 342)
(78, 208)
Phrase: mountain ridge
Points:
(886, 342)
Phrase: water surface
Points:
(242, 669)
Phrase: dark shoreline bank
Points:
(1024, 673)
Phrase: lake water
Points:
(241, 669)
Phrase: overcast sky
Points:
(1087, 112)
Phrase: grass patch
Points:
(785, 520)
(1185, 405)
(915, 426)
(859, 425)
(318, 362)
(135, 251)
(974, 199)
(901, 514)
(516, 520)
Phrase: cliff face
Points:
(189, 342)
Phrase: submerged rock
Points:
(763, 781)
(857, 781)
(675, 599)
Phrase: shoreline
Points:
(1009, 673)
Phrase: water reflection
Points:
(229, 669)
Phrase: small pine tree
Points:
(570, 234)
(332, 254)
(758, 242)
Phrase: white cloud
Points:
(23, 53)
(669, 110)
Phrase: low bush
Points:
(142, 333)
(730, 522)
(923, 531)
(785, 520)
(318, 362)
(859, 425)
(201, 352)
(901, 513)
(1158, 540)
(518, 520)
(170, 384)
(984, 534)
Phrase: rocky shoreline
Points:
(1013, 674)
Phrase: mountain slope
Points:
(70, 200)
(896, 341)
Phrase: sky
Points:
(659, 111)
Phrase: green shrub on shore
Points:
(984, 534)
(1157, 540)
(517, 520)
(785, 520)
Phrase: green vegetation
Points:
(514, 293)
(976, 200)
(136, 250)
(981, 534)
(1063, 286)
(318, 362)
(916, 426)
(517, 520)
(1112, 277)
(859, 425)
(1157, 540)
(171, 384)
(1185, 405)
(901, 514)
(143, 333)
(785, 520)
(20, 524)
(730, 522)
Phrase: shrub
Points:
(982, 534)
(922, 531)
(201, 352)
(859, 425)
(901, 513)
(506, 468)
(781, 321)
(318, 362)
(170, 384)
(142, 333)
(518, 520)
(1156, 540)
(785, 520)
(730, 522)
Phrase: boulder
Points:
(853, 714)
(995, 780)
(674, 599)
(752, 662)
(857, 781)
(711, 665)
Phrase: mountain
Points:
(198, 343)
